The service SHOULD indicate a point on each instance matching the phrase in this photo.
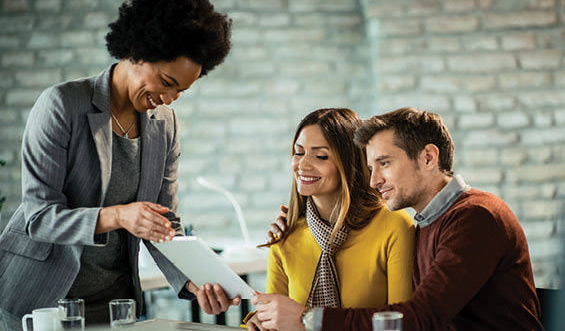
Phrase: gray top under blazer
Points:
(66, 167)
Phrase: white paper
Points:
(201, 265)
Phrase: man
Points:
(472, 269)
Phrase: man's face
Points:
(397, 177)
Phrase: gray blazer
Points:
(66, 168)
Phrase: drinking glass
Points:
(71, 314)
(122, 313)
(387, 321)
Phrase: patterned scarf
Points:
(325, 286)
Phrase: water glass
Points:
(71, 314)
(387, 321)
(122, 313)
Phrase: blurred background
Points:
(493, 69)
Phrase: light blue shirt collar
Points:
(442, 201)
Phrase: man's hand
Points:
(212, 299)
(279, 312)
(278, 227)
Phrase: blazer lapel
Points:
(101, 127)
(153, 155)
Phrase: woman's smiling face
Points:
(155, 83)
(314, 169)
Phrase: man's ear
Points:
(429, 157)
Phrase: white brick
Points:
(457, 6)
(15, 6)
(480, 157)
(59, 57)
(48, 5)
(542, 209)
(529, 19)
(397, 83)
(537, 173)
(96, 20)
(9, 41)
(16, 23)
(38, 78)
(482, 175)
(443, 44)
(256, 126)
(17, 59)
(543, 120)
(514, 42)
(392, 46)
(293, 35)
(490, 137)
(452, 24)
(44, 40)
(22, 97)
(513, 157)
(496, 102)
(476, 121)
(513, 120)
(464, 104)
(481, 63)
(60, 22)
(560, 117)
(543, 136)
(401, 28)
(546, 59)
(274, 20)
(516, 80)
(411, 64)
(482, 43)
(431, 102)
(540, 99)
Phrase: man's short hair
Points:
(413, 130)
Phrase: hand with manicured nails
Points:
(142, 219)
(278, 227)
(278, 312)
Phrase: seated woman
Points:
(342, 246)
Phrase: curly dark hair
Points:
(163, 30)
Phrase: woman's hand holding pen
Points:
(278, 312)
(142, 219)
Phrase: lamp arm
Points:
(242, 224)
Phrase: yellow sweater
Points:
(374, 263)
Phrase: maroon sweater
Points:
(472, 271)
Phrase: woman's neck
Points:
(119, 99)
(325, 207)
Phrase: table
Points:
(152, 278)
(164, 324)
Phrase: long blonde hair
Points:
(357, 201)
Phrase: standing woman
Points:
(100, 160)
(342, 246)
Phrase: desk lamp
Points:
(246, 251)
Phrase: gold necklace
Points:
(120, 126)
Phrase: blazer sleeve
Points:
(45, 149)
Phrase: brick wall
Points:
(492, 69)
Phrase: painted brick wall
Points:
(492, 69)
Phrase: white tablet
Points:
(201, 265)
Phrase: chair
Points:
(552, 302)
